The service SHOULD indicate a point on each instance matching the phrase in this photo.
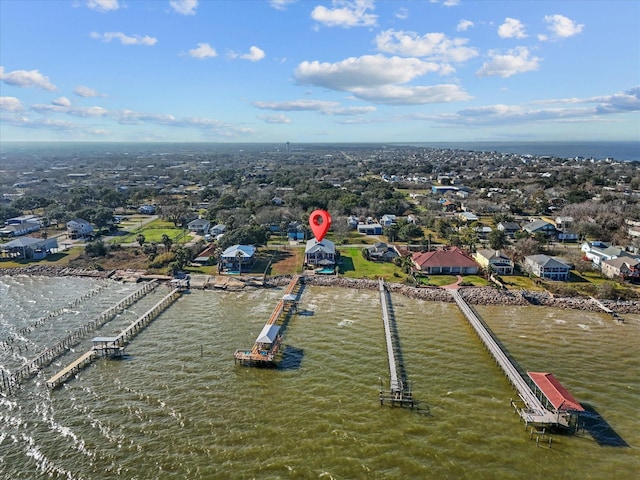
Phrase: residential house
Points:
(29, 248)
(320, 254)
(199, 226)
(147, 210)
(352, 221)
(510, 228)
(625, 268)
(483, 232)
(205, 256)
(218, 229)
(598, 251)
(544, 266)
(381, 252)
(468, 217)
(16, 230)
(494, 261)
(387, 220)
(538, 226)
(370, 228)
(79, 228)
(568, 236)
(449, 260)
(238, 258)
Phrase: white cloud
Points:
(410, 95)
(435, 46)
(464, 25)
(562, 26)
(280, 4)
(451, 3)
(26, 78)
(87, 92)
(366, 72)
(513, 62)
(125, 39)
(203, 50)
(255, 54)
(511, 28)
(402, 13)
(297, 105)
(62, 102)
(184, 7)
(103, 5)
(346, 14)
(279, 118)
(10, 104)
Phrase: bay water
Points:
(179, 407)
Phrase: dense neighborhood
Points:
(424, 211)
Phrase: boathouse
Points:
(555, 393)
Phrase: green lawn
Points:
(153, 233)
(354, 265)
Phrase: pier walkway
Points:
(10, 381)
(267, 345)
(534, 412)
(400, 392)
(113, 346)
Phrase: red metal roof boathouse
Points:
(558, 396)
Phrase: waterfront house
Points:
(623, 268)
(29, 248)
(238, 258)
(79, 228)
(598, 252)
(320, 254)
(381, 252)
(16, 230)
(544, 266)
(451, 260)
(494, 261)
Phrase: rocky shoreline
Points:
(473, 295)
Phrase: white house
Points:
(79, 228)
(544, 266)
(321, 254)
(494, 261)
(387, 220)
(199, 226)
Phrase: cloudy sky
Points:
(319, 71)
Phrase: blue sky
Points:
(319, 71)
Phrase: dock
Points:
(113, 347)
(266, 348)
(533, 412)
(399, 391)
(606, 309)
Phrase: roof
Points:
(537, 225)
(510, 225)
(546, 261)
(489, 254)
(559, 396)
(325, 245)
(247, 251)
(452, 257)
(268, 334)
(620, 261)
(29, 242)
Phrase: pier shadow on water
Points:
(599, 429)
(291, 358)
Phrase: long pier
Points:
(400, 392)
(10, 381)
(267, 345)
(534, 412)
(108, 345)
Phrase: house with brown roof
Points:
(451, 260)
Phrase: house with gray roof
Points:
(320, 254)
(29, 248)
(544, 266)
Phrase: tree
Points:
(96, 249)
(140, 239)
(498, 239)
(167, 242)
(392, 232)
(102, 217)
(410, 231)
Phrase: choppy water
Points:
(178, 407)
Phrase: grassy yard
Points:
(354, 265)
(153, 233)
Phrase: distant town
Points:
(412, 215)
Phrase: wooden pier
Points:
(11, 381)
(606, 309)
(266, 348)
(113, 347)
(533, 412)
(399, 391)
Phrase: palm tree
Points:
(140, 239)
(166, 241)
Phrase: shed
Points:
(268, 334)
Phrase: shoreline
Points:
(473, 295)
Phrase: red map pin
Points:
(319, 221)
